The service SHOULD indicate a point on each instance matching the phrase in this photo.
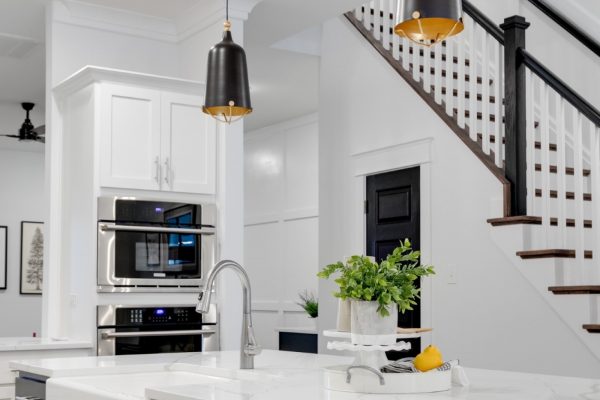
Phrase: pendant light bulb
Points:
(227, 87)
(427, 22)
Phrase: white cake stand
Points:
(364, 376)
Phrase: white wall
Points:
(491, 318)
(21, 199)
(281, 224)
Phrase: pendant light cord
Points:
(226, 10)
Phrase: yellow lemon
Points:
(429, 359)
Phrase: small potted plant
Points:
(377, 290)
(309, 303)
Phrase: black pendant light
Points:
(227, 90)
(428, 22)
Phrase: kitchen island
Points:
(277, 376)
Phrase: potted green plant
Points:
(377, 290)
(309, 303)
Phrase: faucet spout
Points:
(250, 347)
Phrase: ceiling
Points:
(22, 67)
(167, 9)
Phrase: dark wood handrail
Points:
(568, 26)
(484, 21)
(561, 87)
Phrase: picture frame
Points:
(32, 257)
(3, 256)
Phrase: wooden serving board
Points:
(413, 330)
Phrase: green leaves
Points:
(393, 280)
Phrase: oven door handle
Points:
(157, 229)
(191, 332)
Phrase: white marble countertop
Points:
(31, 343)
(277, 375)
(83, 366)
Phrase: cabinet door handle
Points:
(157, 170)
(167, 170)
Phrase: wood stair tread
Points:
(533, 220)
(568, 195)
(515, 220)
(568, 170)
(591, 328)
(577, 289)
(551, 253)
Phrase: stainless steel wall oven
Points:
(127, 329)
(150, 245)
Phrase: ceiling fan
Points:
(28, 132)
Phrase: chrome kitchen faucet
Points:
(249, 347)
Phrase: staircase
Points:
(556, 245)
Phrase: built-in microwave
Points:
(153, 245)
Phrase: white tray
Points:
(346, 335)
(341, 346)
(366, 382)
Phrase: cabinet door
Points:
(188, 145)
(130, 138)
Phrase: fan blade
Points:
(40, 139)
(13, 136)
(40, 130)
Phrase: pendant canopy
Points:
(227, 89)
(428, 22)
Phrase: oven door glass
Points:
(165, 250)
(157, 255)
(166, 343)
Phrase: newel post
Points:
(515, 98)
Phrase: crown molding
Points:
(92, 74)
(198, 18)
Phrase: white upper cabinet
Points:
(130, 137)
(152, 139)
(188, 145)
(148, 132)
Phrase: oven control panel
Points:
(157, 315)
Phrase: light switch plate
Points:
(452, 275)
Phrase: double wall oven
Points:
(126, 330)
(153, 245)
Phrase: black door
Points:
(393, 214)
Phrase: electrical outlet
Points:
(73, 300)
(452, 275)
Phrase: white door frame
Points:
(406, 155)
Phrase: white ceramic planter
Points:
(368, 327)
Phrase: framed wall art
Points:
(32, 257)
(3, 256)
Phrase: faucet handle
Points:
(252, 349)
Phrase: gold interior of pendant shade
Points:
(227, 114)
(428, 31)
